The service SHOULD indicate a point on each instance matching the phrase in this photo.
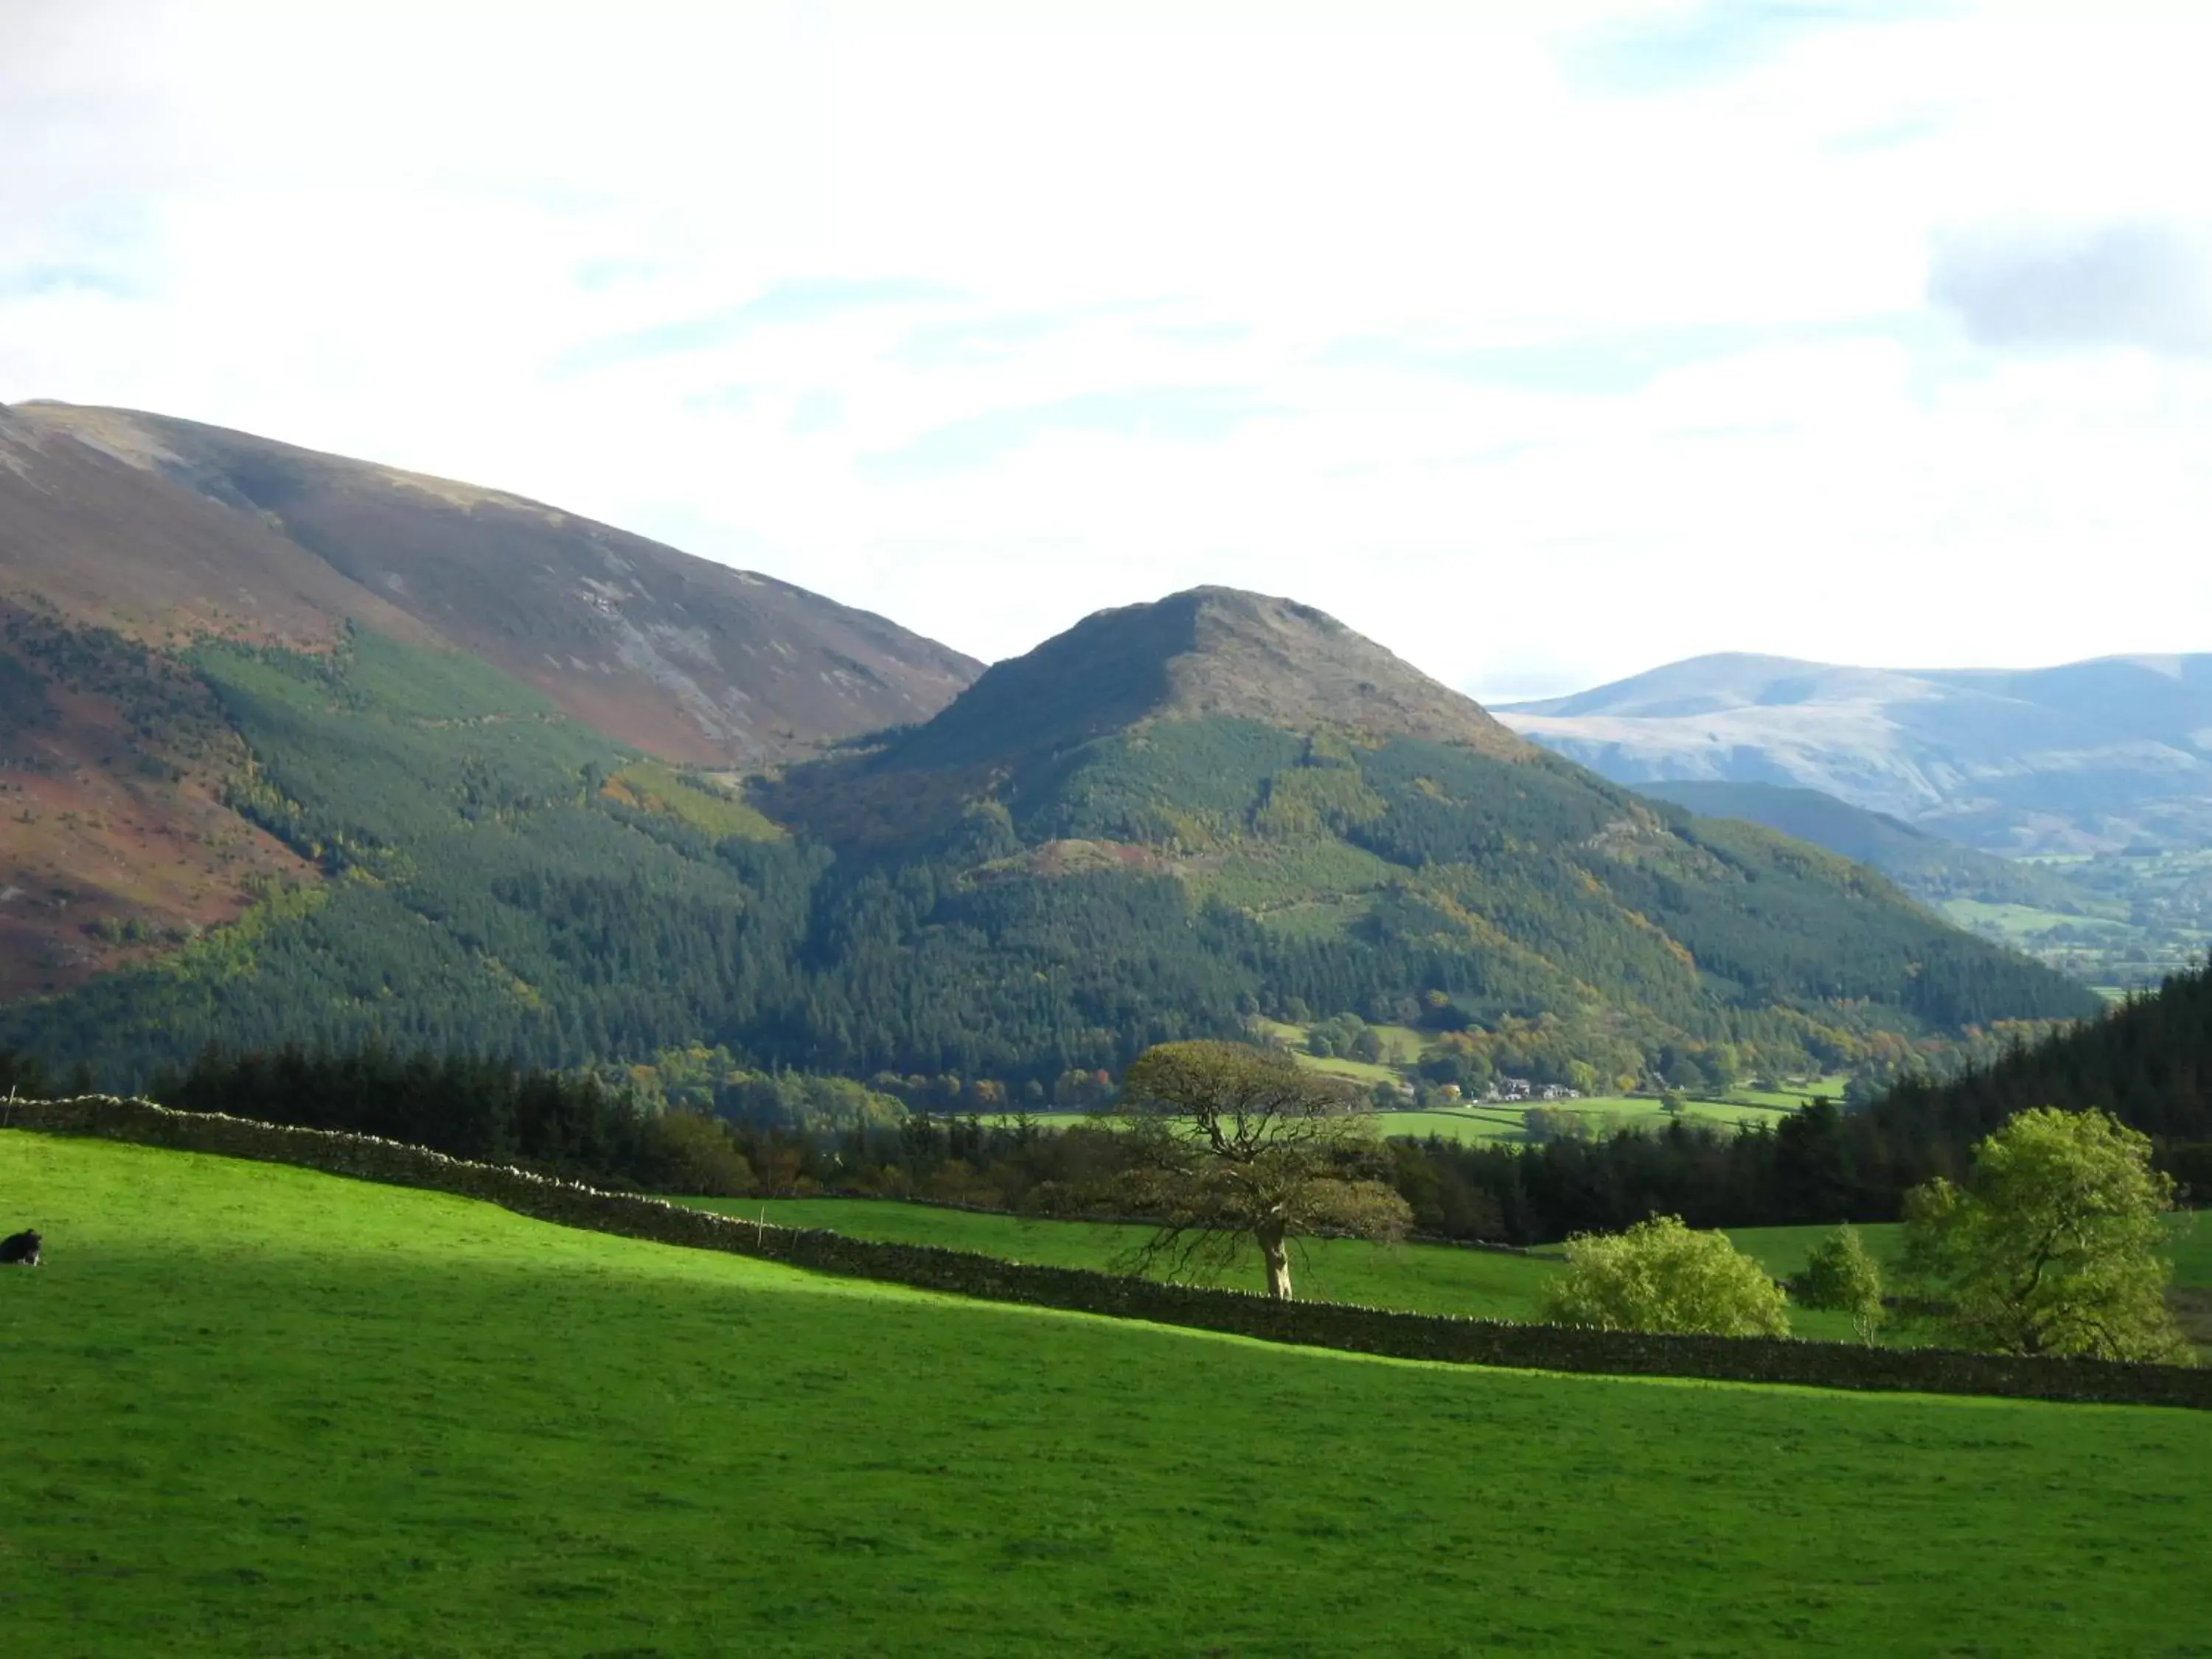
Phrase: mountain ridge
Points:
(687, 658)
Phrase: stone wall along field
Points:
(961, 1272)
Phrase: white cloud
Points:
(1544, 344)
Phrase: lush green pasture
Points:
(1419, 1278)
(1783, 1250)
(1416, 1278)
(1463, 1123)
(1500, 1123)
(257, 1411)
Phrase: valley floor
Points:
(255, 1410)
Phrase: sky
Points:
(1543, 342)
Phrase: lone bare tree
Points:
(1231, 1143)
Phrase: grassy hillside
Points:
(529, 1441)
(1419, 1278)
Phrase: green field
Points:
(2136, 918)
(1420, 1278)
(1438, 1278)
(1498, 1121)
(257, 1411)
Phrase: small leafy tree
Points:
(1661, 1276)
(1229, 1144)
(1840, 1275)
(2053, 1246)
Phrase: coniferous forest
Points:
(746, 1131)
(504, 907)
(492, 877)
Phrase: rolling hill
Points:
(2106, 755)
(129, 541)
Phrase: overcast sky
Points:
(1543, 342)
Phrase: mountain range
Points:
(2109, 755)
(465, 772)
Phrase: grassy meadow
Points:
(1438, 1278)
(1505, 1123)
(257, 1410)
(1417, 1277)
(1401, 1048)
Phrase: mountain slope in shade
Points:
(161, 526)
(117, 839)
(1926, 865)
(2087, 757)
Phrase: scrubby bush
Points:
(1661, 1276)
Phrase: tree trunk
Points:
(1278, 1263)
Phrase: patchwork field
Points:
(1506, 1123)
(256, 1411)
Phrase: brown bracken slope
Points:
(124, 537)
(192, 525)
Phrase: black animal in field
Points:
(20, 1250)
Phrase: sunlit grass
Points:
(256, 1411)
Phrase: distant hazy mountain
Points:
(2096, 756)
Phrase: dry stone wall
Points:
(961, 1272)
